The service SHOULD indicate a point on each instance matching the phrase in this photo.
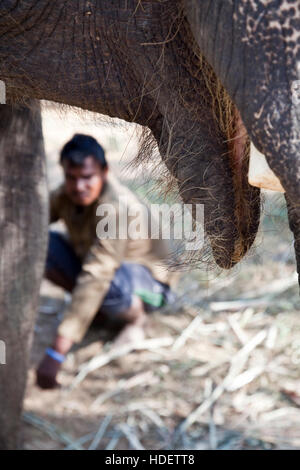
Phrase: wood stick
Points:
(100, 433)
(53, 431)
(275, 288)
(82, 440)
(115, 353)
(113, 442)
(193, 325)
(138, 379)
(237, 365)
(238, 331)
(131, 436)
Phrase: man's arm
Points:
(99, 267)
(98, 270)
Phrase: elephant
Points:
(204, 77)
(23, 236)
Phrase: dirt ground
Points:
(218, 370)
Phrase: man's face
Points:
(83, 184)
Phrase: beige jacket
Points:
(101, 257)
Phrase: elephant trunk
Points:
(207, 173)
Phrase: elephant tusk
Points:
(260, 174)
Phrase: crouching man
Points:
(113, 271)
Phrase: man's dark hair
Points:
(80, 147)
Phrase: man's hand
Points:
(49, 367)
(46, 373)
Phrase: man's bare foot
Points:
(133, 332)
(130, 334)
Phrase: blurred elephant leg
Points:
(294, 221)
(23, 241)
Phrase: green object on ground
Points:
(152, 298)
